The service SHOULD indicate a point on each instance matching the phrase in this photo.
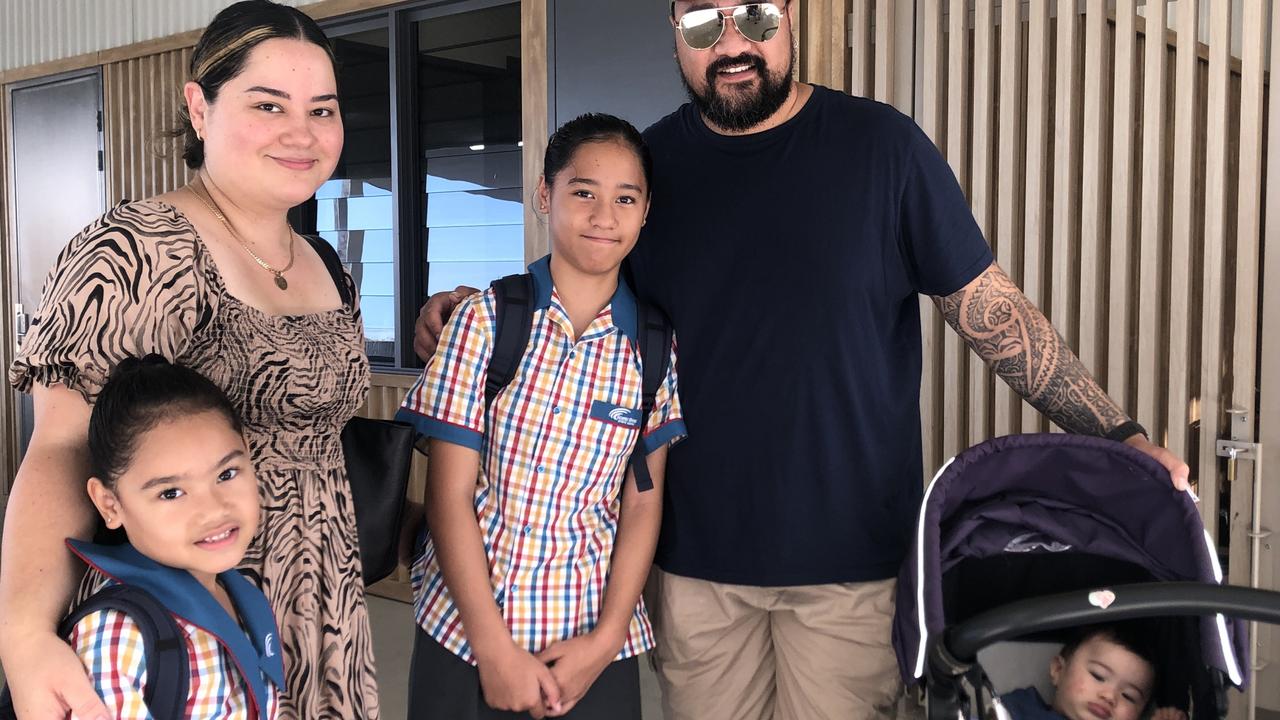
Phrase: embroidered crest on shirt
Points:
(616, 414)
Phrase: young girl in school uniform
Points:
(527, 593)
(172, 470)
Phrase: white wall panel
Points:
(36, 31)
(158, 18)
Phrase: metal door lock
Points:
(1235, 449)
(21, 321)
(1238, 449)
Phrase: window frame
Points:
(408, 226)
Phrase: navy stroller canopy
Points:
(1029, 515)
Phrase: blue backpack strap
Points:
(513, 301)
(164, 643)
(654, 330)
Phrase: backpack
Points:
(168, 665)
(513, 297)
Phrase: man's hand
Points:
(516, 681)
(1178, 470)
(575, 664)
(48, 681)
(432, 317)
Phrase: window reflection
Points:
(458, 179)
(469, 138)
(354, 209)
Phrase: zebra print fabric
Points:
(138, 280)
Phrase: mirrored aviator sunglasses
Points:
(702, 28)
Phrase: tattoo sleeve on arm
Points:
(1011, 335)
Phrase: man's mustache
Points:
(755, 61)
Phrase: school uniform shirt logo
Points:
(616, 414)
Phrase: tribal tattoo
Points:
(1012, 336)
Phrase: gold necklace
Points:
(217, 212)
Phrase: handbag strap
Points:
(333, 264)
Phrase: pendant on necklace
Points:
(281, 282)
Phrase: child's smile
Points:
(220, 539)
(189, 497)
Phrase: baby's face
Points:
(1101, 681)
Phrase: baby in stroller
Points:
(1030, 538)
(1105, 672)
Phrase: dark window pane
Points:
(469, 139)
(474, 171)
(354, 210)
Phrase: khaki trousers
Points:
(740, 652)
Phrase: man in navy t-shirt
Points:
(792, 230)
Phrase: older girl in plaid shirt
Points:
(528, 591)
(171, 468)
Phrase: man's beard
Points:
(738, 112)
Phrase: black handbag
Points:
(379, 454)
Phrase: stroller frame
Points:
(952, 658)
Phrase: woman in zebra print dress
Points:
(211, 276)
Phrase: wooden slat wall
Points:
(1118, 180)
(1036, 210)
(886, 52)
(1115, 343)
(1007, 239)
(1243, 282)
(980, 199)
(931, 116)
(141, 98)
(1213, 259)
(1186, 101)
(955, 359)
(825, 60)
(533, 121)
(1093, 184)
(861, 50)
(1153, 254)
(1063, 299)
(1268, 681)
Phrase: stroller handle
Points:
(962, 642)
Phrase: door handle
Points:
(21, 321)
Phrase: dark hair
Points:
(224, 47)
(138, 396)
(1136, 636)
(589, 128)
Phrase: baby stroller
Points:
(1027, 536)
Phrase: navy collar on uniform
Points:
(185, 597)
(622, 304)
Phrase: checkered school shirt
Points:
(552, 463)
(110, 646)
